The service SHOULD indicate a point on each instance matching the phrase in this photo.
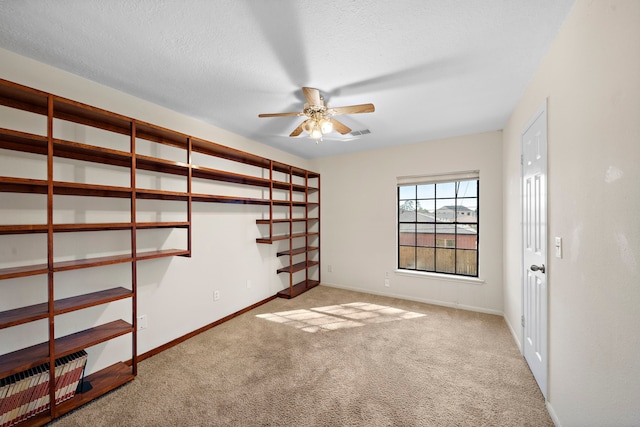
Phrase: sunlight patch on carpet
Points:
(333, 317)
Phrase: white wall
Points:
(591, 76)
(358, 214)
(175, 293)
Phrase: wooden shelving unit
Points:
(290, 194)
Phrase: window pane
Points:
(407, 192)
(426, 191)
(407, 257)
(407, 211)
(468, 188)
(467, 210)
(445, 210)
(426, 209)
(466, 263)
(466, 240)
(445, 190)
(425, 235)
(407, 234)
(445, 260)
(426, 259)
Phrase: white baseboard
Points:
(553, 415)
(513, 334)
(412, 298)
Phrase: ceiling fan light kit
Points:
(320, 119)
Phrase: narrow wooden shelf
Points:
(21, 315)
(298, 289)
(95, 190)
(29, 357)
(76, 112)
(217, 150)
(22, 185)
(90, 337)
(150, 225)
(284, 237)
(298, 251)
(228, 199)
(284, 220)
(80, 302)
(162, 253)
(298, 267)
(143, 193)
(160, 135)
(22, 141)
(289, 202)
(90, 153)
(35, 312)
(23, 228)
(236, 178)
(91, 262)
(23, 271)
(161, 165)
(100, 226)
(102, 382)
(23, 97)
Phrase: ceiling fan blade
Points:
(297, 131)
(312, 95)
(279, 114)
(340, 127)
(354, 109)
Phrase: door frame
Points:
(542, 110)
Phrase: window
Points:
(438, 224)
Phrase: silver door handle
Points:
(537, 268)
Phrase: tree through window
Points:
(438, 225)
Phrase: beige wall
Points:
(591, 77)
(359, 220)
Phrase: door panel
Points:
(534, 246)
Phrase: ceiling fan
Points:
(319, 115)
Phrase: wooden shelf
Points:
(94, 190)
(29, 357)
(150, 225)
(162, 253)
(298, 289)
(80, 302)
(101, 226)
(77, 112)
(284, 237)
(284, 220)
(102, 382)
(161, 135)
(22, 185)
(21, 315)
(297, 251)
(161, 195)
(23, 228)
(23, 271)
(161, 165)
(91, 262)
(298, 267)
(90, 153)
(23, 98)
(228, 199)
(216, 150)
(35, 312)
(21, 141)
(218, 175)
(90, 337)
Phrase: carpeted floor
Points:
(332, 357)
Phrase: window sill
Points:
(449, 277)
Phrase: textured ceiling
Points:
(433, 68)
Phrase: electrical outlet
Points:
(216, 295)
(387, 283)
(248, 284)
(142, 322)
(330, 268)
(386, 274)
